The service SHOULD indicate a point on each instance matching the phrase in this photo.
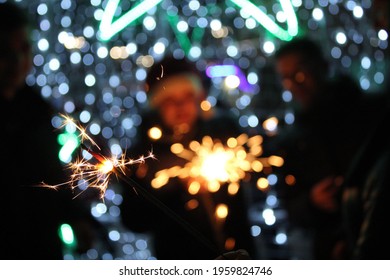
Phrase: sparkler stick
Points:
(98, 175)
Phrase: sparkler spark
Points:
(95, 170)
(211, 163)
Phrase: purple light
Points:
(217, 71)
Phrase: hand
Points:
(323, 194)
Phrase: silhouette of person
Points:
(318, 147)
(366, 198)
(176, 90)
(366, 193)
(31, 213)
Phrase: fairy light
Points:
(268, 23)
(74, 18)
(155, 133)
(108, 27)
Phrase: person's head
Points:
(303, 69)
(15, 48)
(175, 89)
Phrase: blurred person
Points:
(365, 203)
(366, 197)
(31, 213)
(176, 89)
(318, 147)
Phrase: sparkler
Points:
(212, 164)
(95, 173)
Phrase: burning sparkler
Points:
(96, 171)
(97, 175)
(212, 164)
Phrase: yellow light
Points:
(262, 183)
(221, 211)
(257, 166)
(194, 187)
(255, 140)
(155, 133)
(194, 146)
(220, 33)
(160, 181)
(256, 150)
(71, 42)
(276, 161)
(115, 52)
(205, 105)
(213, 186)
(177, 148)
(233, 188)
(232, 142)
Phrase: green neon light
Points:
(69, 143)
(181, 37)
(67, 235)
(264, 20)
(108, 27)
(197, 34)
